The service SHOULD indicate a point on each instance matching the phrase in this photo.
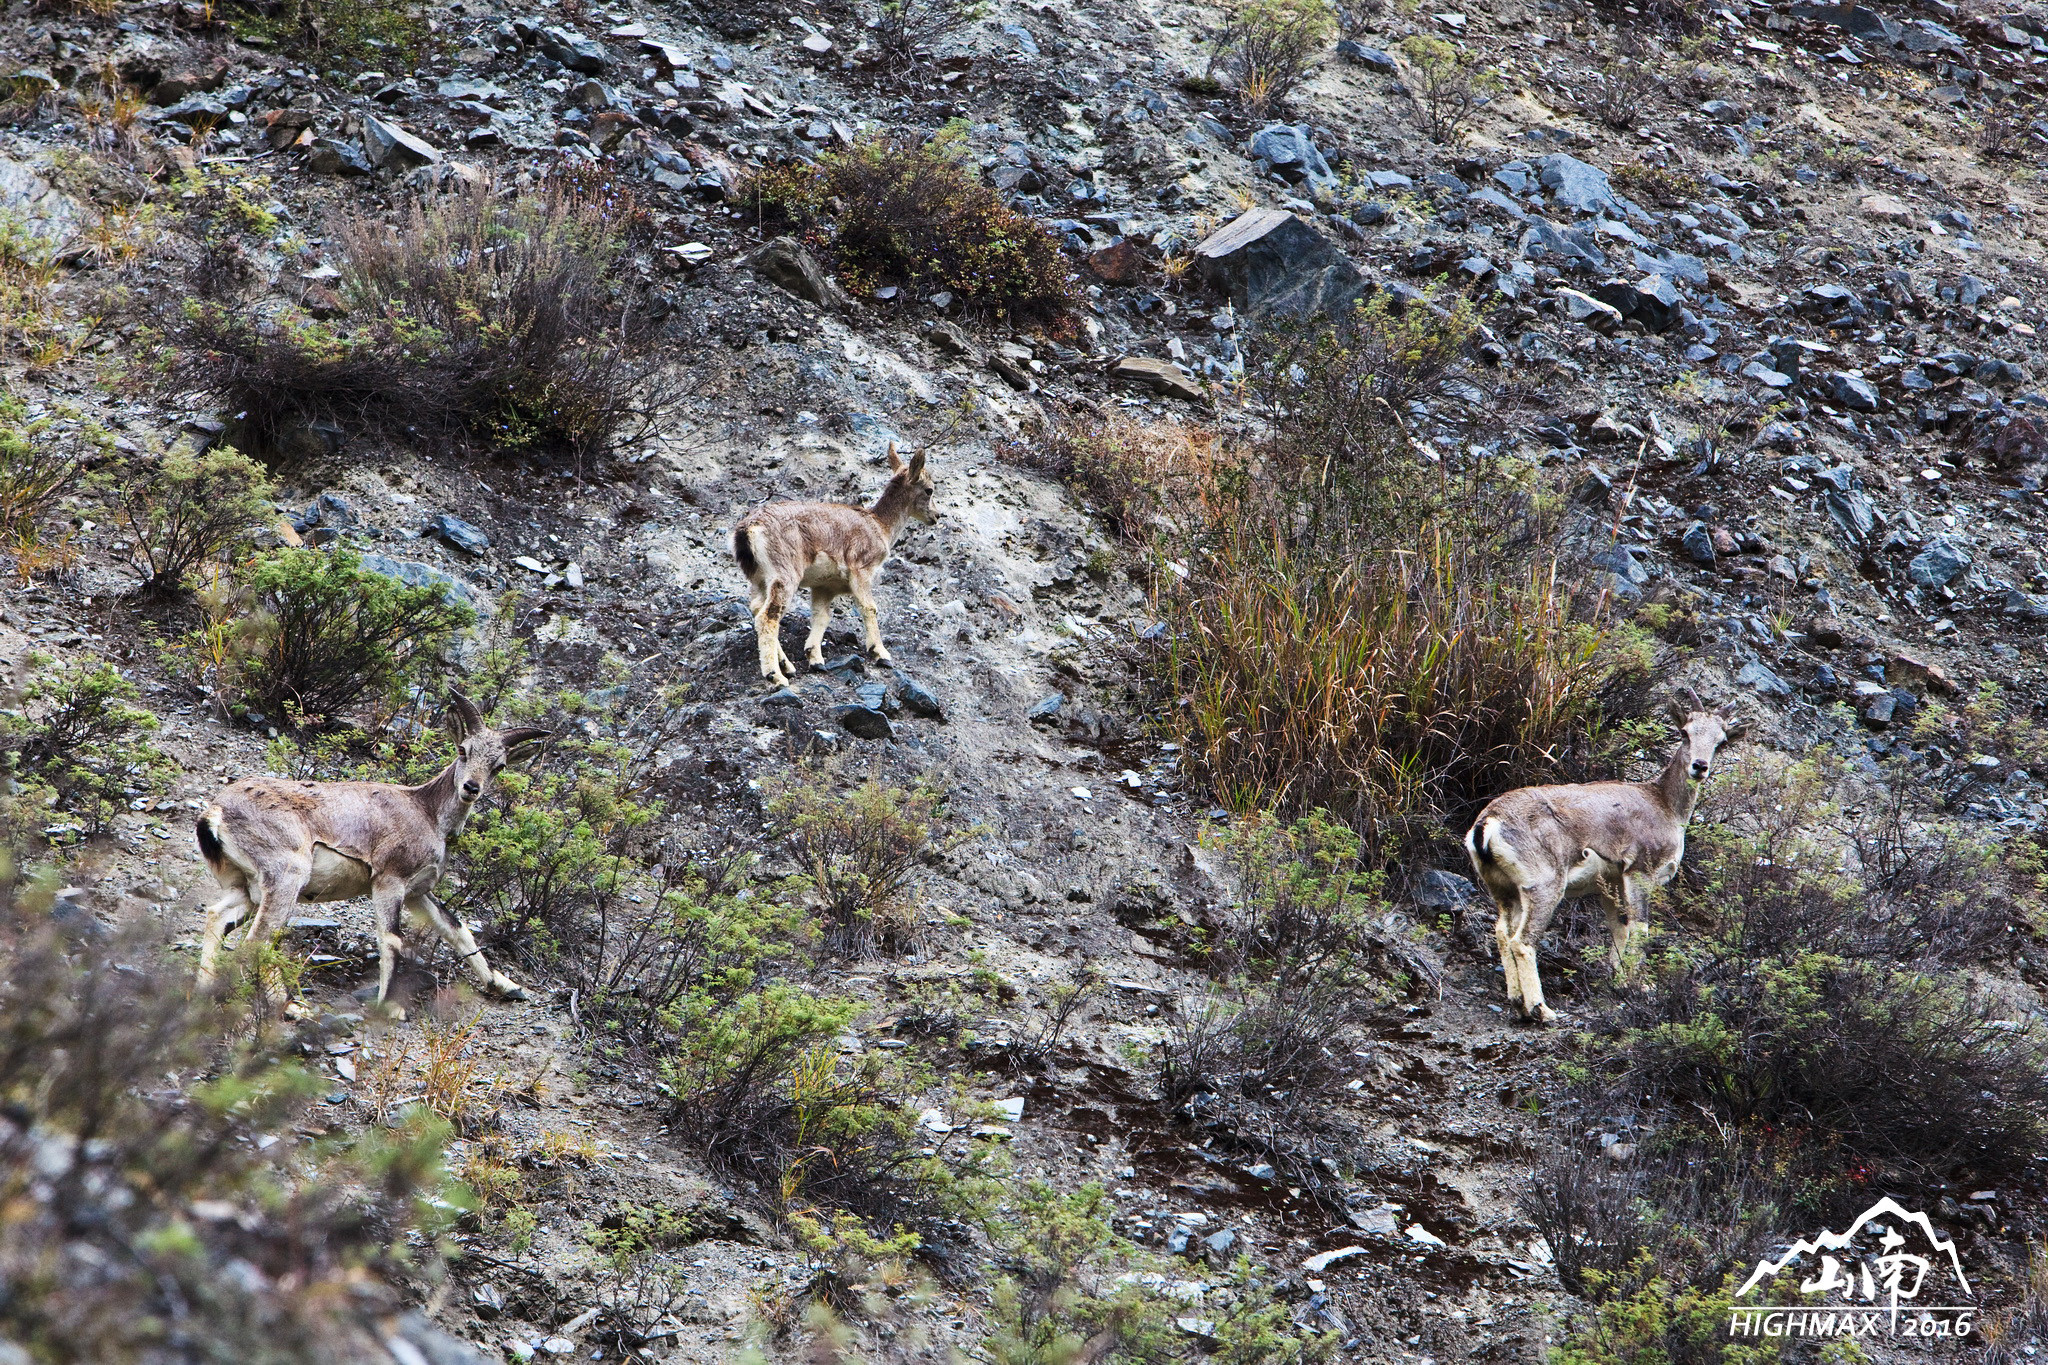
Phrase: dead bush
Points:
(905, 31)
(1266, 48)
(911, 214)
(1618, 90)
(490, 319)
(1144, 478)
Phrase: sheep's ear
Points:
(1677, 711)
(524, 737)
(917, 465)
(1735, 728)
(895, 460)
(463, 715)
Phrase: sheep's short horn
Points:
(462, 711)
(1691, 699)
(524, 735)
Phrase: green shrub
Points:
(345, 34)
(1066, 1293)
(1267, 46)
(41, 460)
(759, 1088)
(1662, 1323)
(323, 634)
(493, 320)
(859, 851)
(1445, 83)
(77, 743)
(142, 1210)
(915, 215)
(188, 511)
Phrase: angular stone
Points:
(918, 700)
(1852, 392)
(1046, 710)
(414, 574)
(1886, 208)
(1577, 185)
(1292, 153)
(1370, 57)
(1584, 308)
(1698, 542)
(1162, 376)
(1938, 565)
(864, 722)
(1759, 678)
(575, 51)
(459, 533)
(786, 264)
(1120, 263)
(386, 144)
(1269, 261)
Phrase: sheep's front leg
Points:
(221, 917)
(863, 586)
(458, 937)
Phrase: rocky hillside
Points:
(1747, 298)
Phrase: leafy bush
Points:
(482, 318)
(141, 1212)
(1061, 1296)
(859, 851)
(1445, 84)
(188, 511)
(886, 211)
(324, 634)
(1661, 1323)
(1267, 46)
(39, 463)
(28, 268)
(759, 1088)
(347, 34)
(76, 743)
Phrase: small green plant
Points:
(326, 634)
(77, 742)
(631, 1231)
(347, 35)
(1062, 1300)
(41, 460)
(189, 510)
(1446, 85)
(1266, 48)
(1660, 1323)
(914, 214)
(859, 851)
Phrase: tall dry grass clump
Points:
(488, 318)
(1353, 627)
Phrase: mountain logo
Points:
(1871, 1280)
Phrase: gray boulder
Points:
(1292, 153)
(1577, 185)
(1938, 565)
(389, 145)
(1852, 392)
(785, 264)
(1269, 261)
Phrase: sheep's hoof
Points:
(506, 987)
(1542, 1014)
